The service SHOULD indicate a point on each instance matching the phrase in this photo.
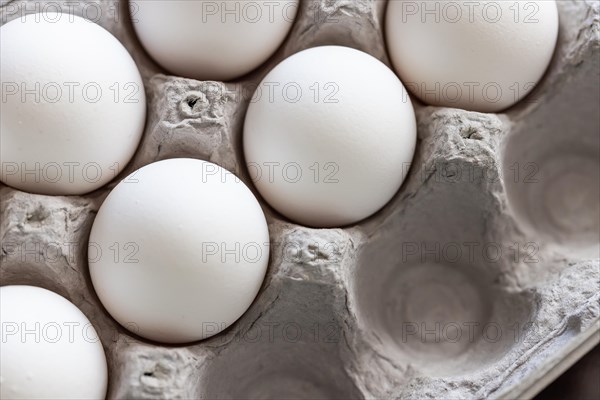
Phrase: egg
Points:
(212, 40)
(73, 105)
(329, 136)
(178, 250)
(49, 349)
(482, 56)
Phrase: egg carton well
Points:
(481, 278)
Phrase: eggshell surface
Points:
(73, 105)
(178, 250)
(481, 56)
(329, 136)
(49, 349)
(212, 40)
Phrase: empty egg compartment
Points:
(438, 290)
(428, 288)
(278, 371)
(284, 354)
(551, 157)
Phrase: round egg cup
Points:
(470, 283)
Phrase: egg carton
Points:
(481, 278)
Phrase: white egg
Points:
(178, 250)
(329, 136)
(49, 349)
(212, 40)
(73, 105)
(482, 56)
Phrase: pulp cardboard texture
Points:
(494, 235)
